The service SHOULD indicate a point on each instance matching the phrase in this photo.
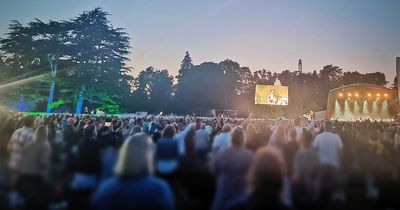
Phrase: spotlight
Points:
(378, 94)
(340, 94)
(356, 95)
(386, 95)
(349, 94)
(369, 95)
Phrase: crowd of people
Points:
(164, 162)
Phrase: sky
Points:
(357, 35)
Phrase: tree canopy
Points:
(91, 56)
(90, 53)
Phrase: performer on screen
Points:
(271, 97)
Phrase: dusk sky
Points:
(362, 35)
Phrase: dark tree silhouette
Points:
(154, 87)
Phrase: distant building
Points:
(300, 66)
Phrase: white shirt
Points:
(299, 129)
(222, 141)
(328, 145)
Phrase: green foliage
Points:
(108, 104)
(56, 104)
(86, 50)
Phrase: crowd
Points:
(98, 162)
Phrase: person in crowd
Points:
(252, 140)
(122, 130)
(329, 146)
(167, 153)
(194, 176)
(19, 139)
(223, 140)
(34, 164)
(181, 125)
(136, 129)
(109, 142)
(230, 166)
(134, 186)
(87, 169)
(305, 171)
(203, 140)
(278, 138)
(290, 149)
(265, 182)
(69, 137)
(156, 137)
(180, 138)
(52, 128)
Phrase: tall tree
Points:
(51, 41)
(186, 64)
(99, 53)
(155, 87)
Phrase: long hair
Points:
(190, 142)
(135, 157)
(279, 136)
(41, 134)
(251, 141)
(250, 132)
(168, 132)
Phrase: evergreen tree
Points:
(186, 64)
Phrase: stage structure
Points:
(361, 102)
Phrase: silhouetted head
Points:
(41, 134)
(190, 142)
(306, 138)
(90, 132)
(29, 121)
(237, 139)
(267, 171)
(169, 131)
(226, 128)
(136, 129)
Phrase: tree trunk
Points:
(53, 67)
(79, 104)
(51, 95)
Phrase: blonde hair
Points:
(135, 157)
(41, 134)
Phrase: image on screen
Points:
(272, 95)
